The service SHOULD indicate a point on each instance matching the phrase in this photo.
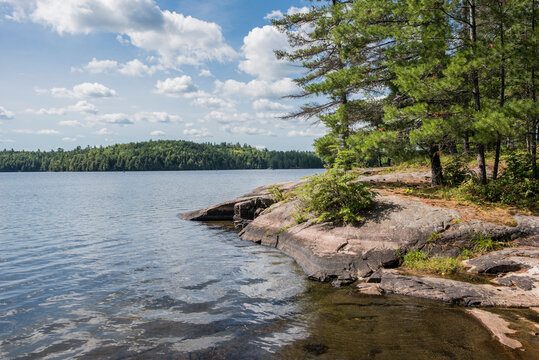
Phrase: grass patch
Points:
(419, 261)
(482, 244)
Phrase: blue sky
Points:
(100, 72)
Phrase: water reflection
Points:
(100, 266)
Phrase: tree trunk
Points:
(435, 166)
(502, 92)
(480, 148)
(496, 159)
(466, 143)
(534, 119)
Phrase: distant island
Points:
(156, 156)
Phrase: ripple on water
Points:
(99, 265)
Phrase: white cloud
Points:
(260, 147)
(244, 130)
(104, 131)
(100, 66)
(157, 117)
(157, 133)
(205, 72)
(5, 114)
(258, 48)
(6, 140)
(197, 132)
(178, 39)
(275, 14)
(37, 132)
(69, 139)
(80, 91)
(226, 118)
(81, 107)
(131, 68)
(257, 88)
(136, 68)
(305, 133)
(265, 104)
(212, 102)
(183, 87)
(189, 125)
(114, 119)
(176, 87)
(71, 123)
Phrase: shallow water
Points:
(98, 265)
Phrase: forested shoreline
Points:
(401, 79)
(156, 156)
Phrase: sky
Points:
(100, 72)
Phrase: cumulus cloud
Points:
(226, 118)
(183, 87)
(244, 130)
(205, 72)
(176, 87)
(37, 132)
(258, 48)
(136, 68)
(265, 104)
(212, 102)
(113, 119)
(157, 133)
(157, 117)
(197, 133)
(81, 107)
(69, 139)
(131, 68)
(70, 123)
(104, 131)
(100, 66)
(305, 133)
(255, 89)
(178, 39)
(5, 114)
(277, 14)
(80, 91)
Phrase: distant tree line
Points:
(157, 155)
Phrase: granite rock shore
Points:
(369, 253)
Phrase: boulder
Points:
(328, 251)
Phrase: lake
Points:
(99, 266)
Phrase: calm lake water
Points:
(99, 266)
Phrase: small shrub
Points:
(277, 193)
(334, 196)
(300, 216)
(433, 237)
(483, 244)
(418, 260)
(519, 167)
(456, 172)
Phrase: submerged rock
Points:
(497, 326)
(456, 292)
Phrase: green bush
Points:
(335, 196)
(519, 167)
(456, 172)
(514, 187)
